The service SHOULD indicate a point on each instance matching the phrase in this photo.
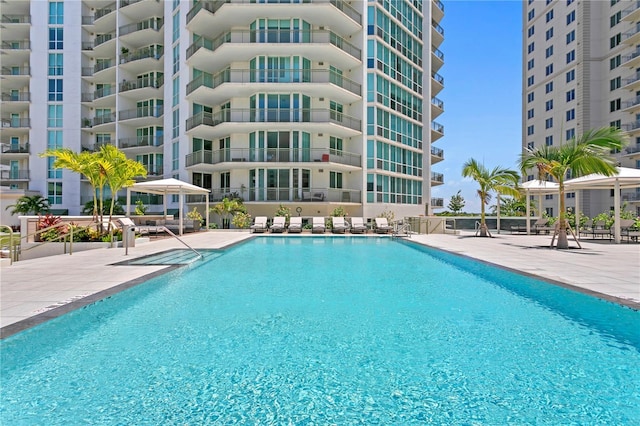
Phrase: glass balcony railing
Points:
(15, 45)
(274, 155)
(293, 195)
(142, 112)
(140, 83)
(437, 177)
(16, 97)
(142, 141)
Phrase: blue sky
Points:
(482, 94)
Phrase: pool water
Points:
(297, 330)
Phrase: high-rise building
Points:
(581, 71)
(312, 104)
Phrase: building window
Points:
(571, 195)
(530, 113)
(549, 15)
(531, 30)
(571, 56)
(549, 33)
(176, 58)
(56, 13)
(548, 88)
(54, 192)
(571, 95)
(530, 47)
(570, 134)
(548, 70)
(530, 97)
(615, 83)
(176, 26)
(335, 180)
(617, 124)
(531, 14)
(55, 89)
(54, 141)
(548, 123)
(571, 75)
(548, 106)
(175, 155)
(548, 197)
(176, 124)
(548, 140)
(615, 19)
(569, 2)
(571, 17)
(176, 90)
(548, 51)
(56, 38)
(530, 130)
(54, 116)
(571, 36)
(530, 146)
(530, 81)
(529, 64)
(571, 114)
(614, 105)
(615, 40)
(615, 62)
(55, 64)
(549, 211)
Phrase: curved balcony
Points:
(105, 18)
(631, 105)
(437, 131)
(101, 123)
(213, 90)
(207, 16)
(437, 10)
(437, 179)
(142, 88)
(631, 83)
(15, 26)
(437, 83)
(437, 107)
(437, 58)
(141, 60)
(437, 33)
(632, 59)
(142, 33)
(315, 157)
(15, 102)
(632, 13)
(209, 125)
(437, 155)
(137, 10)
(317, 45)
(142, 116)
(14, 175)
(14, 150)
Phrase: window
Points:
(569, 2)
(571, 56)
(530, 113)
(548, 140)
(55, 39)
(614, 62)
(55, 89)
(530, 81)
(549, 15)
(530, 146)
(570, 134)
(614, 105)
(571, 95)
(54, 192)
(548, 197)
(531, 30)
(56, 13)
(571, 17)
(571, 195)
(530, 130)
(335, 180)
(176, 90)
(530, 47)
(548, 69)
(175, 155)
(549, 211)
(571, 36)
(548, 123)
(531, 14)
(55, 64)
(617, 124)
(549, 33)
(530, 97)
(571, 75)
(548, 88)
(176, 26)
(614, 83)
(548, 51)
(615, 19)
(571, 114)
(529, 64)
(615, 40)
(176, 124)
(548, 106)
(614, 2)
(54, 116)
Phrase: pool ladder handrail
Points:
(399, 227)
(164, 228)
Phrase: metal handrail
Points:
(399, 227)
(11, 244)
(165, 229)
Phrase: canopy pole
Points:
(616, 212)
(498, 213)
(128, 210)
(577, 212)
(181, 200)
(206, 211)
(528, 212)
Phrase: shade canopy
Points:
(169, 187)
(539, 187)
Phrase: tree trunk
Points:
(563, 241)
(483, 230)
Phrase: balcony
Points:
(244, 82)
(142, 83)
(15, 123)
(15, 19)
(15, 71)
(103, 38)
(16, 97)
(143, 141)
(631, 105)
(148, 24)
(631, 127)
(97, 121)
(100, 13)
(437, 33)
(631, 13)
(15, 45)
(632, 37)
(437, 179)
(437, 83)
(14, 175)
(437, 155)
(437, 10)
(632, 82)
(437, 59)
(143, 53)
(15, 148)
(315, 156)
(296, 116)
(632, 151)
(632, 59)
(437, 203)
(437, 131)
(154, 170)
(142, 112)
(286, 195)
(437, 107)
(631, 197)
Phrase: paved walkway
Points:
(32, 291)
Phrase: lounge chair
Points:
(358, 226)
(542, 225)
(295, 224)
(278, 225)
(382, 225)
(339, 226)
(600, 229)
(318, 225)
(628, 230)
(318, 196)
(259, 224)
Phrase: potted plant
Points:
(196, 217)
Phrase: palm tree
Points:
(227, 208)
(589, 153)
(500, 180)
(26, 204)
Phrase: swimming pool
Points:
(325, 330)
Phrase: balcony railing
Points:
(440, 5)
(437, 27)
(88, 20)
(152, 23)
(87, 71)
(142, 54)
(437, 127)
(628, 127)
(627, 58)
(104, 11)
(15, 19)
(275, 36)
(437, 202)
(14, 174)
(15, 123)
(103, 38)
(273, 155)
(141, 141)
(439, 54)
(124, 3)
(437, 152)
(632, 149)
(142, 112)
(15, 71)
(437, 77)
(102, 66)
(87, 45)
(140, 83)
(437, 102)
(16, 97)
(16, 45)
(437, 177)
(274, 76)
(13, 148)
(103, 119)
(631, 9)
(631, 197)
(213, 6)
(292, 195)
(633, 102)
(276, 115)
(154, 170)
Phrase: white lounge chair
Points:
(338, 225)
(358, 226)
(295, 224)
(318, 225)
(278, 224)
(382, 225)
(259, 224)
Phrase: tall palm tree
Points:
(26, 204)
(589, 153)
(498, 179)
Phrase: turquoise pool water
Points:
(330, 331)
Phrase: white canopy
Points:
(625, 178)
(166, 187)
(539, 187)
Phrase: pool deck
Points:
(33, 291)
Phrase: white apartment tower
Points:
(581, 70)
(312, 104)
